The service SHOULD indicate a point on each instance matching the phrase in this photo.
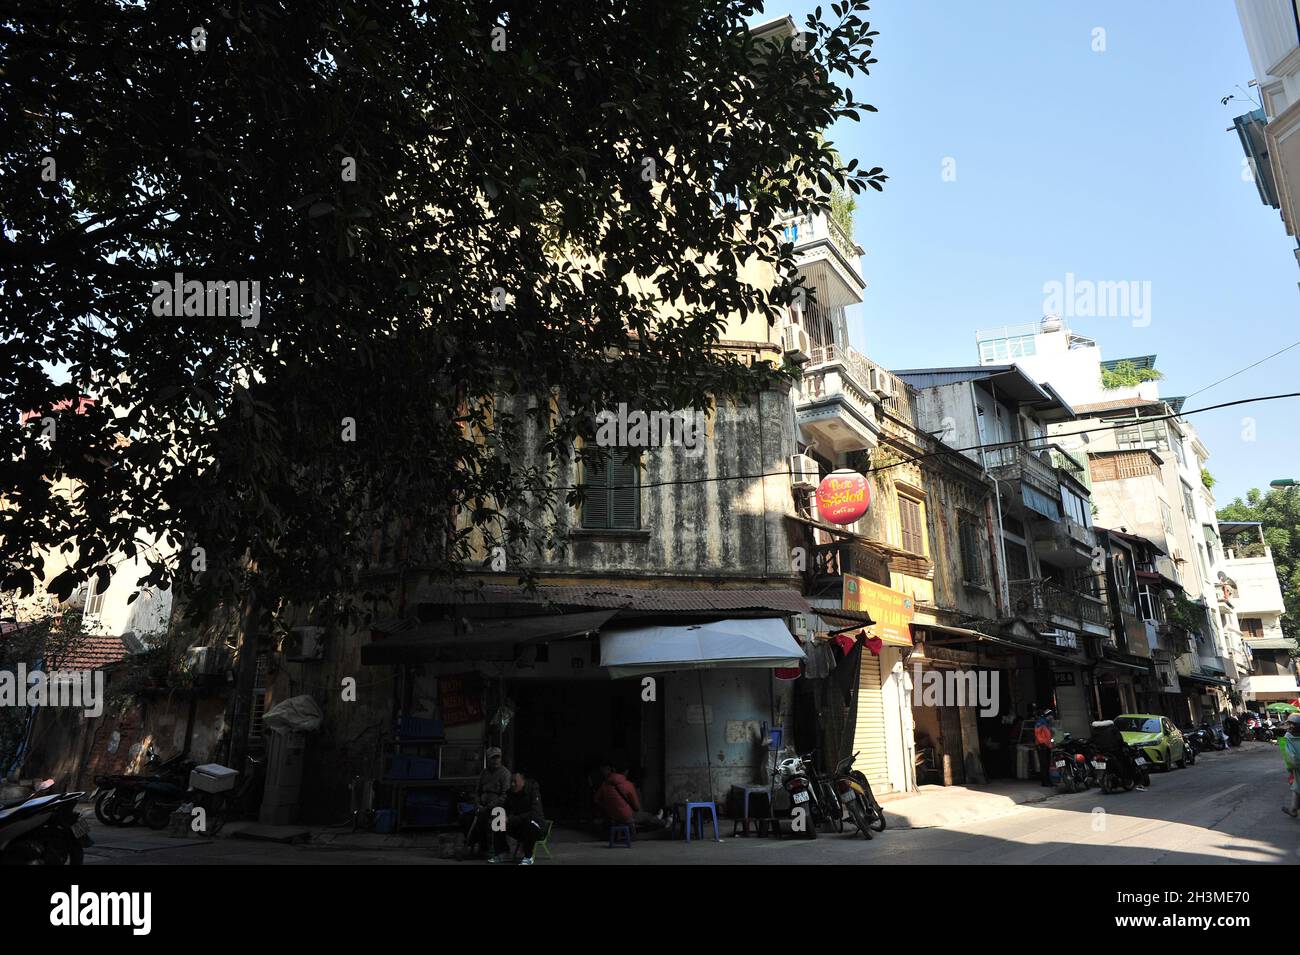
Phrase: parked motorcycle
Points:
(1122, 771)
(1072, 759)
(809, 791)
(120, 797)
(43, 829)
(1194, 743)
(164, 796)
(854, 792)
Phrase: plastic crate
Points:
(399, 767)
(386, 820)
(419, 727)
(213, 778)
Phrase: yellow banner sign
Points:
(892, 610)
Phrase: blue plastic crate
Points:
(421, 767)
(386, 820)
(399, 767)
(419, 727)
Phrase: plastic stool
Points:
(621, 836)
(692, 808)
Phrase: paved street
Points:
(1224, 809)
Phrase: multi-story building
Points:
(1270, 135)
(1051, 602)
(1251, 582)
(1147, 468)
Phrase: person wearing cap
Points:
(1290, 746)
(493, 784)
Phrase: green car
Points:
(1158, 738)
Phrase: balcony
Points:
(1018, 463)
(1051, 605)
(1065, 543)
(829, 258)
(835, 407)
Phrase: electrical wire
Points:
(1125, 423)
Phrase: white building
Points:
(1252, 585)
(1271, 135)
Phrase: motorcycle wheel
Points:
(1068, 783)
(1108, 783)
(154, 813)
(858, 813)
(103, 802)
(45, 847)
(878, 823)
(1143, 779)
(217, 806)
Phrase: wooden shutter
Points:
(625, 490)
(909, 513)
(869, 728)
(595, 508)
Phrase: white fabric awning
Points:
(746, 643)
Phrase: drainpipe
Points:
(1000, 555)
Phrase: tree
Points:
(1125, 374)
(1278, 510)
(427, 205)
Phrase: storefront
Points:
(678, 698)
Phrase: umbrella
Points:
(1282, 708)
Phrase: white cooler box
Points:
(213, 778)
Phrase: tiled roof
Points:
(94, 651)
(1114, 405)
(623, 598)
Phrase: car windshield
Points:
(1138, 724)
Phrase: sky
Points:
(1018, 154)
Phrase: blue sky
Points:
(1112, 165)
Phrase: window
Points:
(1178, 450)
(1188, 504)
(1149, 605)
(1167, 516)
(613, 492)
(1143, 434)
(256, 727)
(1252, 628)
(1017, 561)
(1076, 508)
(909, 513)
(94, 599)
(972, 563)
(1006, 349)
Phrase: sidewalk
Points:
(933, 807)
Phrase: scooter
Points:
(1122, 772)
(120, 797)
(43, 829)
(854, 792)
(810, 793)
(1072, 761)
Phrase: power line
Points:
(1244, 370)
(1125, 423)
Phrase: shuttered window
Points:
(972, 564)
(909, 512)
(613, 492)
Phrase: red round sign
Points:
(843, 496)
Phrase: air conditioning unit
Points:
(206, 661)
(305, 644)
(803, 471)
(794, 342)
(881, 382)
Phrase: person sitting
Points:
(622, 806)
(525, 820)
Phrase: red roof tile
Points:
(94, 651)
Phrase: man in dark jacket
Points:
(524, 819)
(490, 792)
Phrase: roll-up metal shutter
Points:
(869, 728)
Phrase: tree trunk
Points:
(241, 719)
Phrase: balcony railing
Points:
(1018, 463)
(1042, 600)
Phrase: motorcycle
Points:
(1072, 759)
(120, 797)
(163, 797)
(809, 791)
(854, 792)
(43, 829)
(1121, 771)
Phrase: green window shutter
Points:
(595, 508)
(625, 491)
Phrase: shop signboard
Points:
(460, 698)
(843, 496)
(892, 610)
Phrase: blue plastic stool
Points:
(692, 808)
(620, 835)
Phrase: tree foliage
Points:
(1125, 374)
(440, 203)
(1278, 510)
